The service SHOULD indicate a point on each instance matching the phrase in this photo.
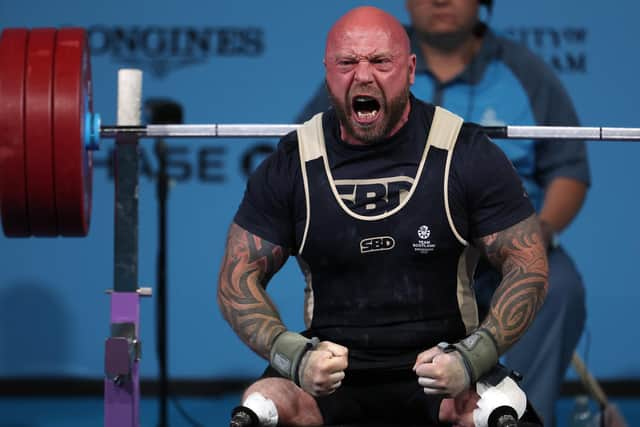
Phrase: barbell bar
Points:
(48, 132)
(218, 130)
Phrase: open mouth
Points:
(366, 108)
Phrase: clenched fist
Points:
(441, 373)
(322, 369)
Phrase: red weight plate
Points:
(73, 164)
(13, 200)
(39, 132)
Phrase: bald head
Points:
(364, 21)
(369, 71)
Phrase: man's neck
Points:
(447, 63)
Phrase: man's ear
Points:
(412, 68)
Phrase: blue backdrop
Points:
(248, 61)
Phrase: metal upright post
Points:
(122, 348)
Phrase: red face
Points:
(443, 16)
(369, 71)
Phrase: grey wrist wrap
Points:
(479, 353)
(286, 354)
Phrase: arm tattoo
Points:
(248, 265)
(519, 253)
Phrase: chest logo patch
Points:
(376, 244)
(424, 245)
(374, 196)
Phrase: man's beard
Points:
(379, 130)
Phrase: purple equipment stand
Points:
(122, 355)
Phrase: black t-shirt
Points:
(485, 192)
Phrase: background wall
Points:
(249, 61)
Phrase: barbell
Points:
(48, 131)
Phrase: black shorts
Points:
(377, 397)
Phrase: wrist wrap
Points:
(286, 354)
(479, 353)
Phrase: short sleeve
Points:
(267, 207)
(485, 186)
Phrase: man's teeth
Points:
(367, 114)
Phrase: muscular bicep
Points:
(518, 252)
(248, 265)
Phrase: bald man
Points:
(386, 202)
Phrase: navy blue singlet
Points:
(391, 285)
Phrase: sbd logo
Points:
(374, 244)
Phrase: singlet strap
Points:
(444, 132)
(310, 147)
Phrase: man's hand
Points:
(441, 373)
(322, 370)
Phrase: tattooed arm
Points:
(519, 253)
(248, 265)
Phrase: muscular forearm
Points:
(248, 264)
(519, 253)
